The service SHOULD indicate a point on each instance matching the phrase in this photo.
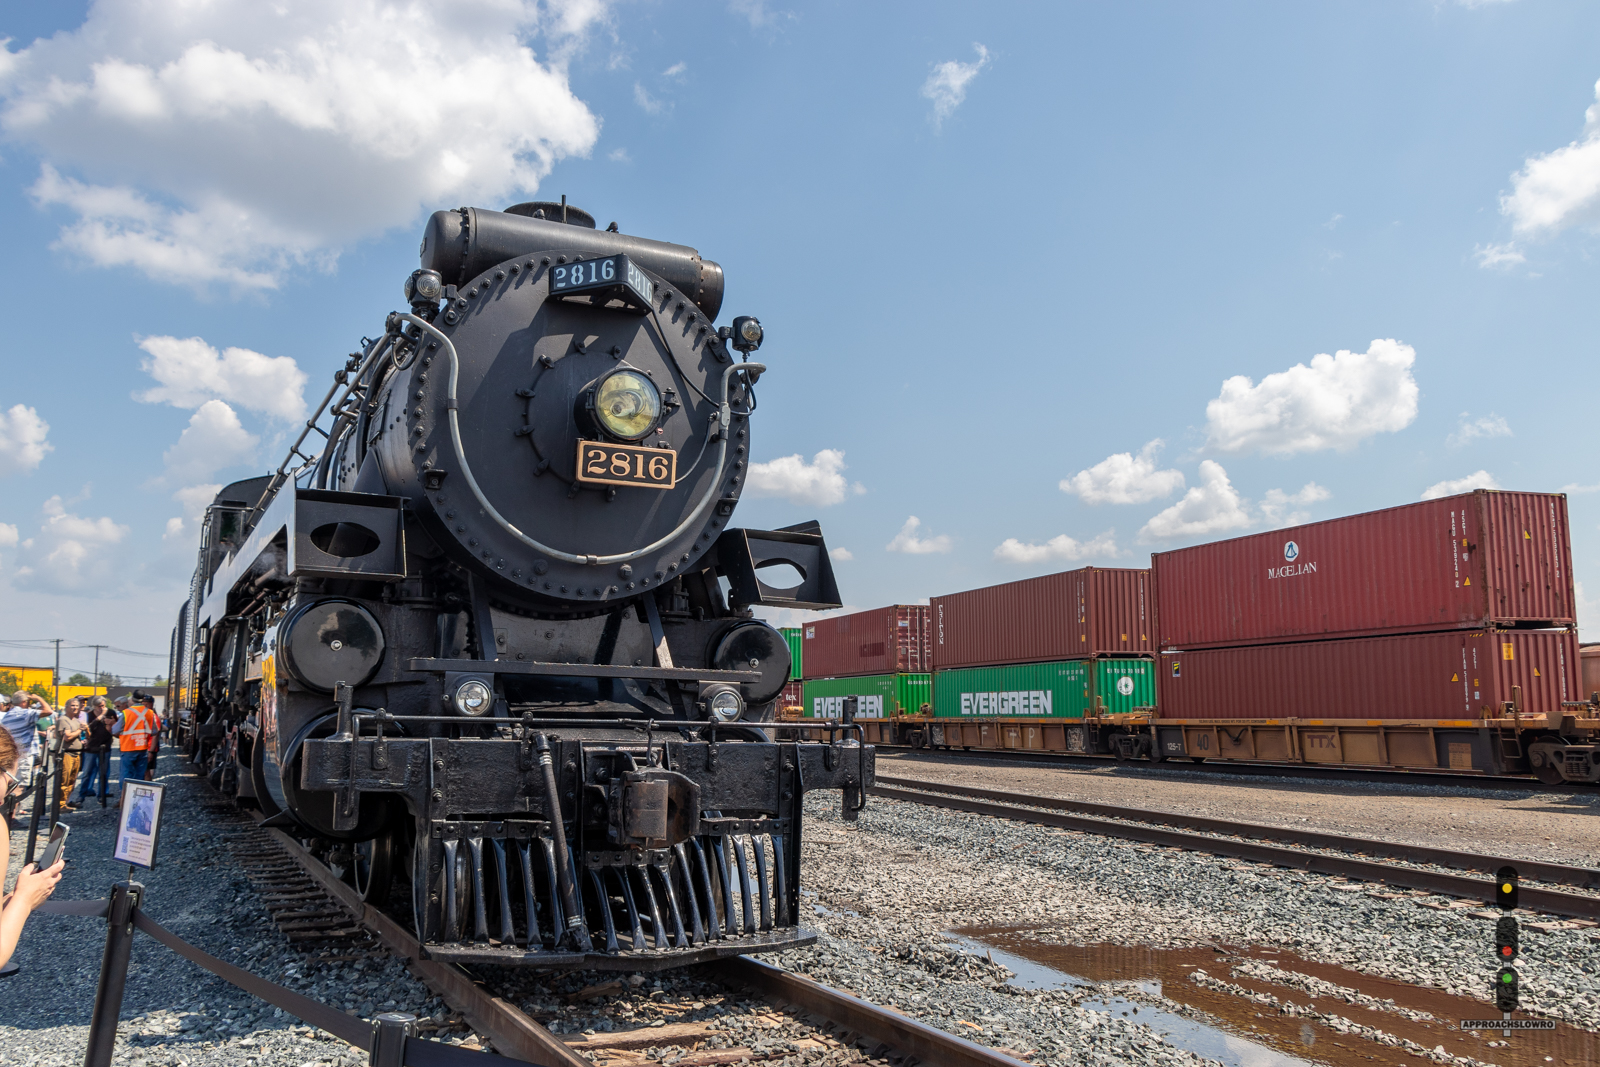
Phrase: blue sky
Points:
(998, 250)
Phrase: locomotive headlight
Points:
(747, 333)
(424, 285)
(474, 698)
(625, 404)
(723, 703)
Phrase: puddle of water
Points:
(1208, 1041)
(1260, 1036)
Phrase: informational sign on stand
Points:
(139, 823)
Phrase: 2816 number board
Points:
(606, 464)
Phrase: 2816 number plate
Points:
(602, 464)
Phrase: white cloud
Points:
(1333, 222)
(191, 372)
(1124, 478)
(677, 70)
(651, 104)
(1334, 403)
(757, 13)
(1490, 425)
(8, 535)
(1060, 547)
(947, 85)
(619, 155)
(1560, 189)
(236, 140)
(213, 441)
(1214, 506)
(843, 555)
(1450, 487)
(1490, 256)
(71, 554)
(23, 440)
(908, 542)
(820, 483)
(1276, 503)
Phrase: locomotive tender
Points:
(492, 635)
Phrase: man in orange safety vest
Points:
(137, 730)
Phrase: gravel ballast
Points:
(174, 1012)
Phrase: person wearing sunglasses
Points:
(33, 885)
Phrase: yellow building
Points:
(45, 676)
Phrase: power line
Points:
(42, 643)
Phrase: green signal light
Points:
(1508, 978)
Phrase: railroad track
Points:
(1250, 842)
(326, 918)
(1245, 769)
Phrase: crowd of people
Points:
(84, 733)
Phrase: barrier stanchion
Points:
(389, 1033)
(43, 780)
(113, 973)
(55, 788)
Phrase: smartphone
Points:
(52, 851)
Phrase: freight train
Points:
(491, 637)
(1439, 636)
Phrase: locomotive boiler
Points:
(487, 632)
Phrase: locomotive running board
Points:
(648, 960)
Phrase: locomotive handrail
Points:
(583, 670)
(723, 418)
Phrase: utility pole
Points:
(97, 649)
(56, 676)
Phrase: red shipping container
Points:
(1588, 671)
(1453, 675)
(1092, 611)
(892, 640)
(1475, 561)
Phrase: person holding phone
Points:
(33, 885)
(97, 752)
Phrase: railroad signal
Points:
(1505, 989)
(1505, 888)
(1505, 939)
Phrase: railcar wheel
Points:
(372, 866)
(1549, 773)
(258, 777)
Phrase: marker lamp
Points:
(474, 698)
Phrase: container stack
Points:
(1061, 646)
(1431, 611)
(790, 701)
(881, 656)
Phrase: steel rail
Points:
(1551, 901)
(515, 1034)
(512, 1031)
(1252, 769)
(900, 1032)
(1538, 870)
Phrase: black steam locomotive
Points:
(489, 632)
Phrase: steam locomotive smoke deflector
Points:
(724, 416)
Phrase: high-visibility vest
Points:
(139, 725)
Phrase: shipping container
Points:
(1452, 675)
(1063, 690)
(892, 640)
(881, 696)
(1588, 671)
(793, 636)
(1092, 611)
(1476, 561)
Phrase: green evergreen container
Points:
(882, 695)
(796, 638)
(1062, 690)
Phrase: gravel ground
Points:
(1555, 827)
(888, 891)
(173, 1012)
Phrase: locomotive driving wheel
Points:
(372, 866)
